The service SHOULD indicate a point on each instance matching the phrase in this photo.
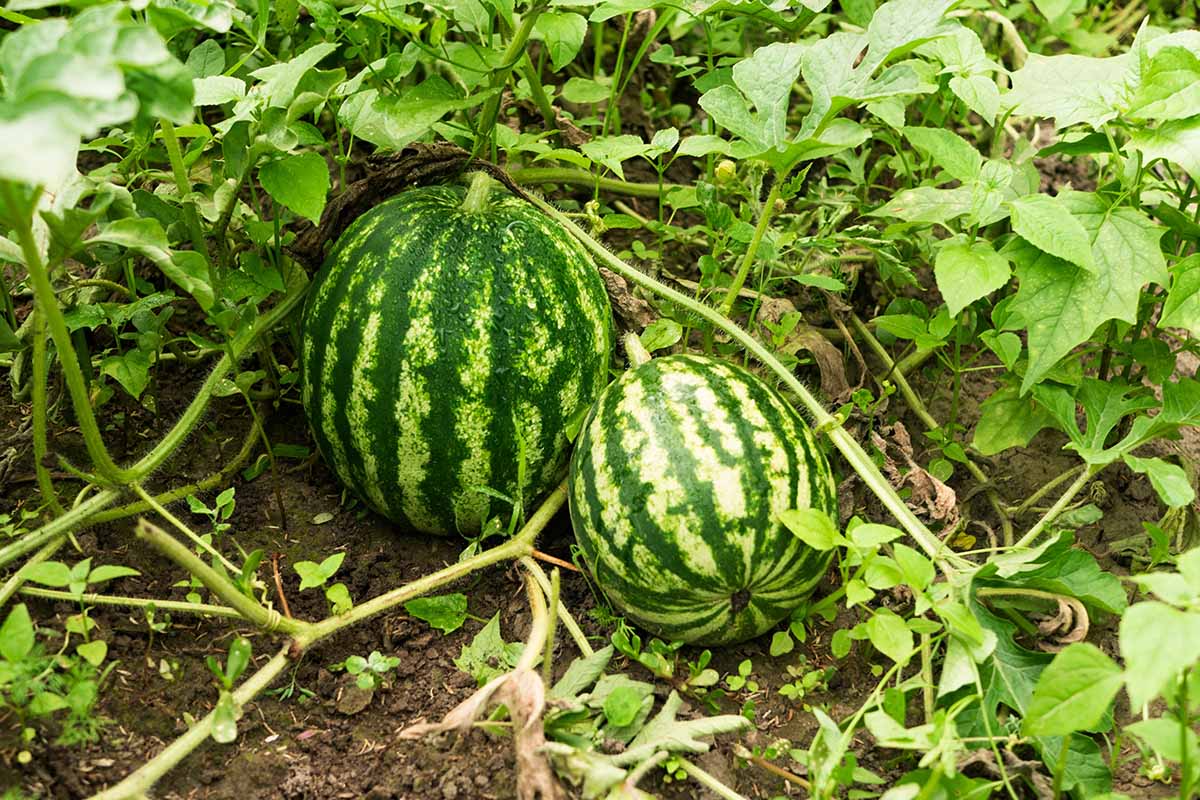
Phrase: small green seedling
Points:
(313, 575)
(228, 711)
(369, 672)
(219, 514)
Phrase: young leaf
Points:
(1046, 223)
(563, 34)
(445, 612)
(1157, 642)
(298, 181)
(1177, 141)
(1182, 307)
(813, 527)
(1073, 693)
(966, 272)
(93, 652)
(1063, 304)
(948, 150)
(1008, 420)
(1070, 88)
(16, 634)
(1169, 480)
(890, 635)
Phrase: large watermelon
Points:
(676, 485)
(448, 343)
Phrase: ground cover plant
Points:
(959, 239)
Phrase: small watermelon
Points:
(448, 344)
(676, 486)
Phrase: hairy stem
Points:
(216, 583)
(1075, 488)
(138, 783)
(179, 606)
(760, 231)
(40, 449)
(533, 176)
(515, 548)
(512, 56)
(948, 561)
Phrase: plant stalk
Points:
(760, 231)
(1063, 501)
(533, 176)
(139, 782)
(948, 561)
(179, 606)
(512, 56)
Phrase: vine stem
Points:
(515, 548)
(512, 56)
(40, 379)
(83, 514)
(564, 614)
(182, 528)
(47, 303)
(172, 548)
(137, 783)
(708, 781)
(178, 606)
(183, 185)
(760, 231)
(918, 407)
(1063, 501)
(1046, 488)
(948, 561)
(533, 176)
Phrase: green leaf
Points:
(813, 527)
(48, 573)
(966, 272)
(585, 90)
(108, 572)
(16, 634)
(298, 181)
(188, 269)
(446, 612)
(890, 635)
(1182, 307)
(928, 204)
(661, 334)
(1169, 480)
(980, 94)
(217, 90)
(1070, 88)
(392, 121)
(611, 151)
(131, 369)
(1073, 693)
(225, 717)
(1169, 87)
(1157, 642)
(1062, 304)
(93, 652)
(582, 673)
(1008, 420)
(206, 59)
(763, 82)
(665, 732)
(622, 705)
(563, 34)
(781, 643)
(1047, 223)
(278, 82)
(1177, 141)
(488, 655)
(948, 150)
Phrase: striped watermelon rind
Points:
(676, 485)
(447, 349)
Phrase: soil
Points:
(340, 744)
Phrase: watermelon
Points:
(676, 486)
(448, 344)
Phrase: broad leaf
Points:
(1177, 141)
(1069, 88)
(1008, 420)
(1047, 223)
(1073, 693)
(1157, 642)
(1169, 480)
(1182, 307)
(1062, 304)
(948, 150)
(966, 272)
(299, 182)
